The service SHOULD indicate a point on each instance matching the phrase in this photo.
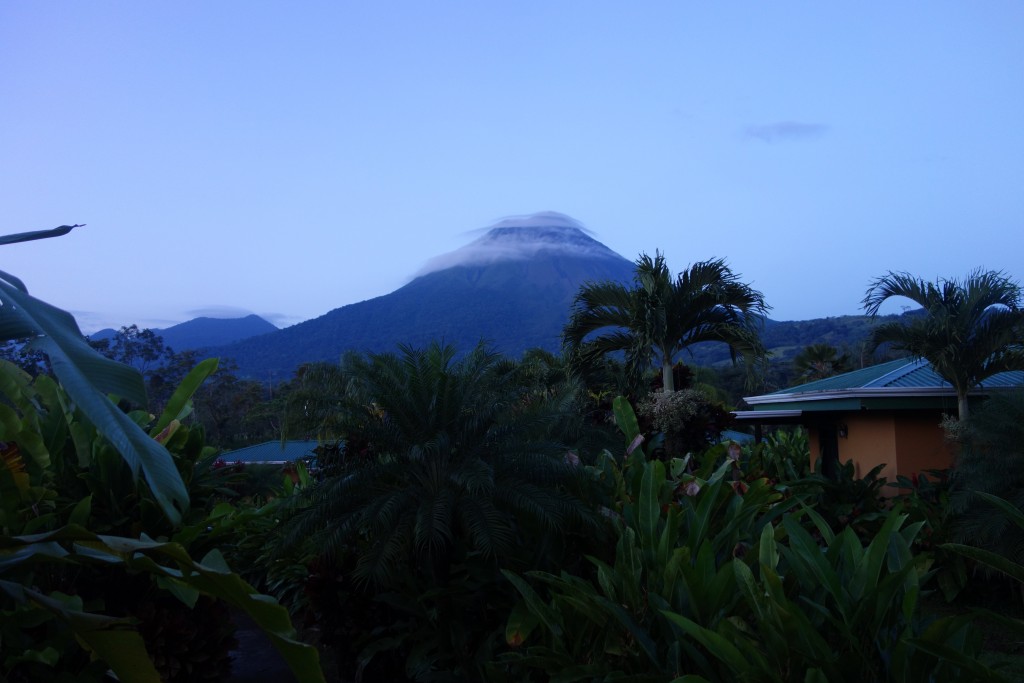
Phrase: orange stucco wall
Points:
(906, 442)
(921, 443)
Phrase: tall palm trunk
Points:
(668, 382)
(962, 409)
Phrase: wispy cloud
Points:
(281, 319)
(785, 131)
(216, 311)
(521, 238)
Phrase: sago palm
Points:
(660, 316)
(970, 330)
(456, 460)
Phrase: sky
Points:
(286, 159)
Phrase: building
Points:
(272, 453)
(888, 414)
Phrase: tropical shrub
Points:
(847, 500)
(833, 610)
(677, 528)
(454, 468)
(925, 497)
(58, 492)
(60, 619)
(990, 460)
(717, 579)
(687, 420)
(783, 456)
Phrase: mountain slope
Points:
(201, 333)
(513, 287)
(785, 339)
(204, 332)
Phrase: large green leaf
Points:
(550, 618)
(625, 418)
(869, 566)
(649, 505)
(86, 376)
(521, 623)
(106, 637)
(719, 647)
(169, 560)
(55, 332)
(811, 566)
(768, 548)
(1009, 509)
(125, 653)
(989, 558)
(638, 632)
(37, 234)
(179, 401)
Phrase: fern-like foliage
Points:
(446, 457)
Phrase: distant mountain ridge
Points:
(205, 332)
(513, 286)
(785, 339)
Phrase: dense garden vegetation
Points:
(474, 517)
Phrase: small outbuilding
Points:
(272, 453)
(888, 414)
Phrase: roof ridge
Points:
(898, 373)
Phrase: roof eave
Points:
(839, 394)
(767, 415)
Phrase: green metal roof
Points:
(272, 452)
(899, 384)
(903, 373)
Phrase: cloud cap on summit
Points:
(523, 237)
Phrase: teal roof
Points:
(272, 452)
(902, 373)
(733, 435)
(903, 383)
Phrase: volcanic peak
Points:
(524, 237)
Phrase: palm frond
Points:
(379, 562)
(970, 330)
(433, 532)
(486, 527)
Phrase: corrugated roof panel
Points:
(849, 380)
(903, 373)
(1013, 379)
(917, 375)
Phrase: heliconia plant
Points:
(835, 610)
(724, 583)
(676, 530)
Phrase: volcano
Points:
(512, 287)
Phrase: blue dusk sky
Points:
(288, 158)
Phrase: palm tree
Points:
(456, 458)
(818, 361)
(659, 317)
(970, 330)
